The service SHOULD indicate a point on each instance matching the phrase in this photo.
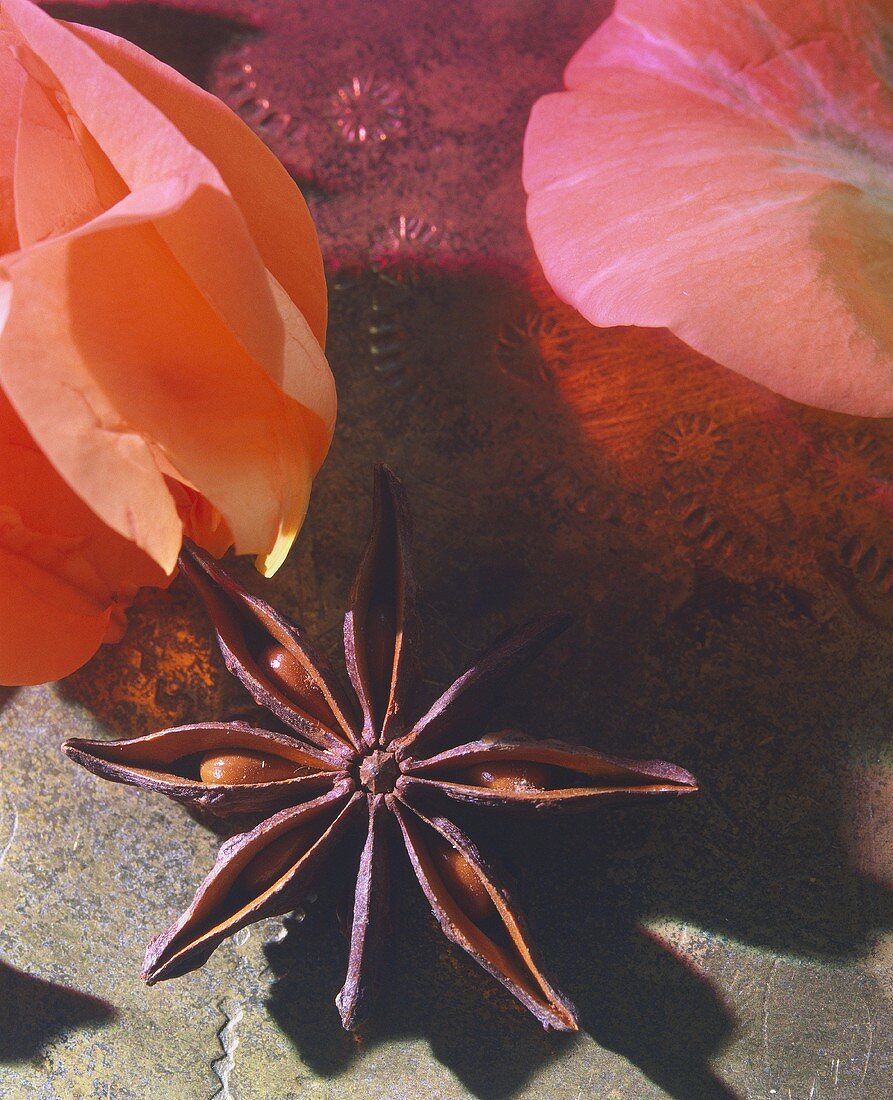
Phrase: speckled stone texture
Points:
(729, 559)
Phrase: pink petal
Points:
(724, 170)
(12, 83)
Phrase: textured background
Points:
(729, 558)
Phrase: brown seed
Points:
(285, 673)
(284, 670)
(513, 776)
(246, 766)
(273, 861)
(462, 881)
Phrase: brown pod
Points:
(238, 891)
(276, 769)
(272, 658)
(511, 771)
(506, 951)
(462, 881)
(273, 861)
(370, 912)
(464, 707)
(508, 775)
(380, 630)
(380, 627)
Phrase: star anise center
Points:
(378, 772)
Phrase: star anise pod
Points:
(342, 766)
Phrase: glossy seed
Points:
(462, 881)
(272, 863)
(246, 766)
(512, 776)
(283, 671)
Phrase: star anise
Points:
(341, 766)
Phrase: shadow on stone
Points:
(737, 681)
(427, 989)
(34, 1012)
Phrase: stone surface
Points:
(729, 557)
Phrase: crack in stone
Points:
(233, 1012)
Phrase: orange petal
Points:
(113, 426)
(64, 576)
(145, 148)
(54, 189)
(201, 521)
(105, 382)
(49, 627)
(724, 171)
(274, 208)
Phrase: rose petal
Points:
(85, 358)
(724, 171)
(274, 209)
(181, 193)
(64, 575)
(54, 189)
(49, 627)
(145, 148)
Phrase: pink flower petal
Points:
(12, 83)
(726, 170)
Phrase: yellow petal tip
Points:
(269, 563)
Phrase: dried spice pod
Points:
(369, 917)
(380, 627)
(272, 659)
(539, 775)
(463, 708)
(170, 762)
(238, 892)
(340, 764)
(497, 939)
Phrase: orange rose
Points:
(162, 311)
